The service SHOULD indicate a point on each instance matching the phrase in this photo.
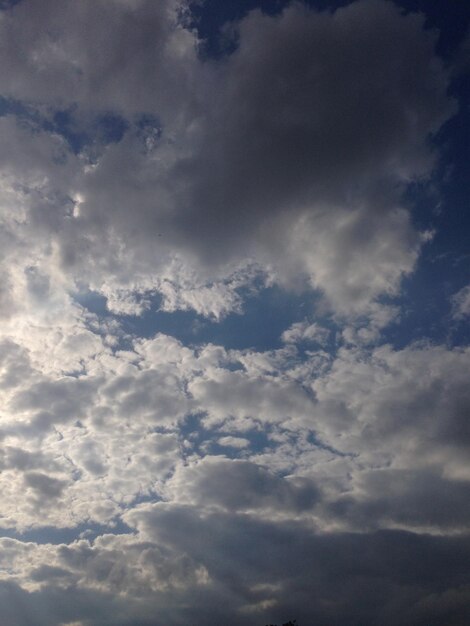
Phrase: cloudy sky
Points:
(234, 306)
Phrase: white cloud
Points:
(404, 407)
(303, 331)
(233, 442)
(461, 304)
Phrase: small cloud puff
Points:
(305, 332)
(233, 442)
(461, 304)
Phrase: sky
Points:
(234, 306)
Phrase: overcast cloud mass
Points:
(234, 305)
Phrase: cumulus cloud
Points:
(292, 151)
(65, 54)
(350, 140)
(396, 396)
(222, 518)
(99, 441)
(143, 475)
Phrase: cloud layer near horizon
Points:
(148, 480)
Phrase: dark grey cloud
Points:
(62, 53)
(49, 573)
(56, 606)
(420, 499)
(299, 157)
(316, 111)
(45, 487)
(254, 572)
(293, 150)
(387, 577)
(17, 458)
(241, 485)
